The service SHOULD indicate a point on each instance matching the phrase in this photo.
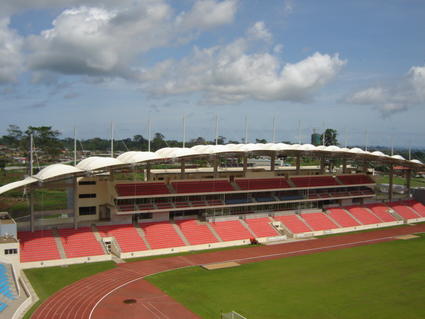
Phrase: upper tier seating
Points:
(403, 210)
(235, 201)
(355, 179)
(126, 235)
(196, 233)
(161, 235)
(231, 230)
(207, 186)
(262, 183)
(37, 246)
(417, 206)
(80, 242)
(293, 223)
(127, 207)
(363, 215)
(342, 217)
(381, 211)
(314, 181)
(318, 221)
(135, 189)
(215, 202)
(261, 227)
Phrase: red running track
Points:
(101, 296)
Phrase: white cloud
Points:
(104, 42)
(10, 53)
(399, 96)
(259, 32)
(229, 74)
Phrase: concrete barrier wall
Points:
(263, 240)
(66, 261)
(165, 251)
(23, 307)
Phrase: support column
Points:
(245, 164)
(297, 164)
(390, 188)
(365, 167)
(322, 165)
(273, 162)
(344, 166)
(216, 160)
(182, 169)
(408, 177)
(148, 172)
(76, 210)
(32, 217)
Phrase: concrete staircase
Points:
(244, 224)
(96, 234)
(213, 232)
(180, 233)
(58, 241)
(142, 235)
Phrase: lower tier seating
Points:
(382, 211)
(231, 230)
(161, 235)
(318, 221)
(195, 232)
(80, 242)
(293, 223)
(261, 227)
(38, 246)
(126, 235)
(403, 210)
(342, 217)
(417, 206)
(363, 215)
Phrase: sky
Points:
(355, 66)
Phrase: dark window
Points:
(87, 183)
(145, 216)
(10, 251)
(87, 196)
(87, 210)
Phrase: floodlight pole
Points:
(299, 131)
(149, 134)
(184, 130)
(324, 134)
(216, 129)
(274, 129)
(75, 146)
(246, 129)
(31, 154)
(366, 140)
(112, 139)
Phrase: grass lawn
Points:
(46, 281)
(414, 182)
(385, 280)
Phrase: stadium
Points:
(181, 200)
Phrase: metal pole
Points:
(75, 146)
(31, 154)
(366, 140)
(184, 130)
(299, 131)
(274, 129)
(246, 129)
(149, 135)
(112, 139)
(216, 129)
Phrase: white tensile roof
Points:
(96, 163)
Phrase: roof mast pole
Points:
(366, 140)
(75, 146)
(274, 129)
(184, 130)
(112, 139)
(31, 154)
(216, 129)
(299, 131)
(246, 129)
(149, 134)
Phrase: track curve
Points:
(102, 295)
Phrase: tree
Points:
(158, 142)
(45, 139)
(260, 140)
(14, 136)
(330, 136)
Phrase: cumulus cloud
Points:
(232, 73)
(10, 53)
(399, 96)
(259, 32)
(98, 41)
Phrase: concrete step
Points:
(182, 236)
(214, 232)
(59, 243)
(244, 224)
(142, 235)
(98, 238)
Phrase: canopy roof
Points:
(96, 164)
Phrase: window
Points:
(87, 210)
(10, 251)
(87, 196)
(145, 216)
(87, 183)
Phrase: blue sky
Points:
(349, 65)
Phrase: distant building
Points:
(316, 138)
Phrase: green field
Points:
(46, 281)
(385, 280)
(414, 182)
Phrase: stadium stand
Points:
(80, 242)
(363, 215)
(381, 211)
(262, 183)
(318, 221)
(161, 235)
(126, 235)
(342, 217)
(5, 286)
(403, 210)
(38, 246)
(293, 223)
(202, 186)
(355, 179)
(417, 206)
(314, 181)
(231, 230)
(140, 189)
(261, 227)
(195, 232)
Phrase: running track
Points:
(102, 295)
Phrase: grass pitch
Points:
(385, 280)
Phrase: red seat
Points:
(80, 242)
(262, 183)
(195, 232)
(261, 227)
(208, 186)
(161, 235)
(381, 211)
(355, 179)
(318, 221)
(363, 215)
(342, 217)
(231, 230)
(404, 211)
(293, 223)
(37, 246)
(127, 237)
(134, 189)
(314, 181)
